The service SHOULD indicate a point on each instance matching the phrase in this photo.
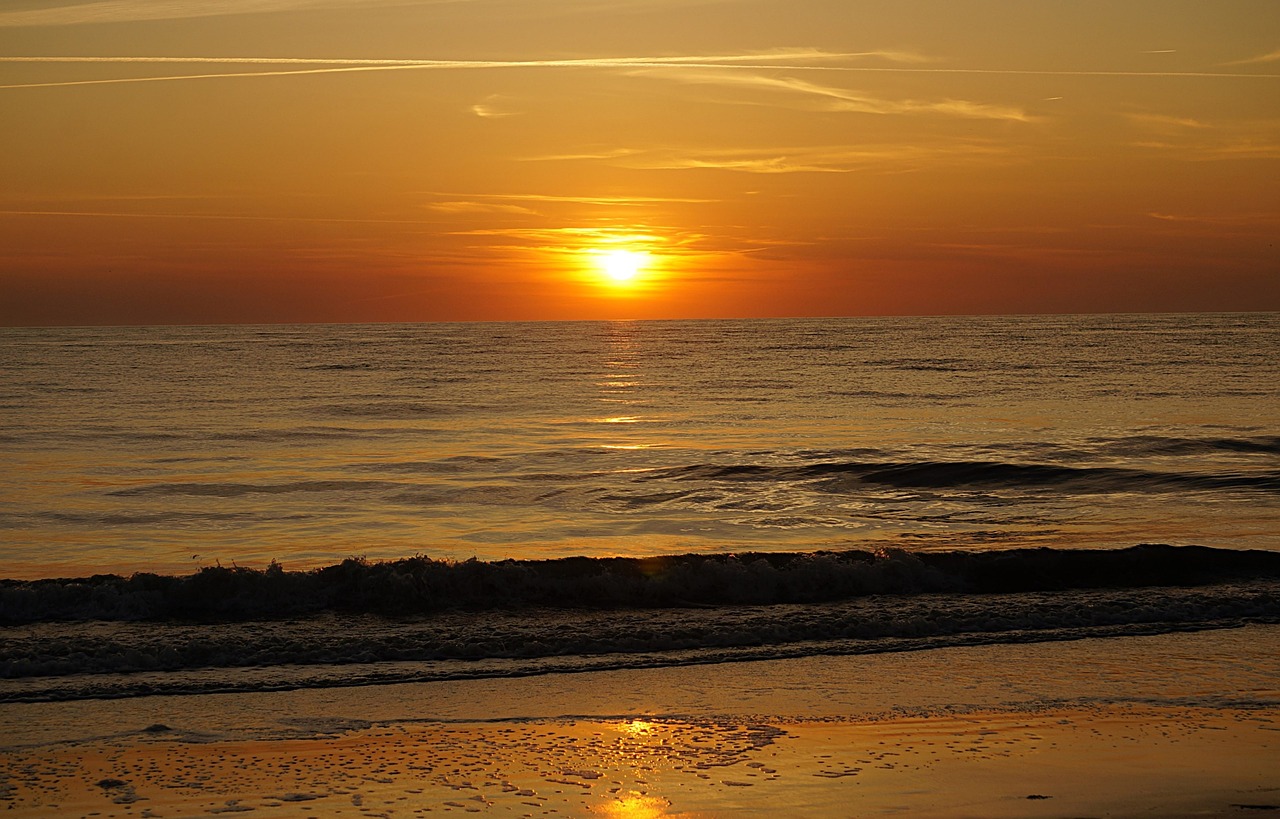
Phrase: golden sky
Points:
(201, 161)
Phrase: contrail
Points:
(756, 62)
(782, 54)
(218, 216)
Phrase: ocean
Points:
(200, 509)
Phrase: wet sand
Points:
(1106, 762)
(1186, 725)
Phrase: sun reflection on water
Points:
(639, 727)
(635, 806)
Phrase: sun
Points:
(622, 266)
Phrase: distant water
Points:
(882, 484)
(166, 449)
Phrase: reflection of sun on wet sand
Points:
(1124, 761)
(1176, 725)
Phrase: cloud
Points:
(478, 207)
(211, 216)
(662, 240)
(544, 235)
(1246, 139)
(840, 159)
(1232, 219)
(1164, 122)
(840, 99)
(602, 154)
(493, 107)
(1241, 149)
(127, 11)
(1270, 57)
(626, 201)
(1017, 251)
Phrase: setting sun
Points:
(622, 266)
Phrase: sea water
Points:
(334, 505)
(171, 448)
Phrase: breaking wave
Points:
(421, 585)
(843, 476)
(359, 623)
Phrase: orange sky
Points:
(374, 160)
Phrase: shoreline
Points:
(1167, 725)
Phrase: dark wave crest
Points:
(422, 585)
(1162, 445)
(846, 475)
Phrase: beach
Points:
(1162, 725)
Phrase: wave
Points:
(418, 619)
(1161, 445)
(45, 662)
(376, 407)
(844, 476)
(422, 585)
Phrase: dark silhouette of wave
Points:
(846, 475)
(421, 585)
(358, 623)
(1162, 445)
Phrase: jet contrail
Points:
(757, 62)
(217, 216)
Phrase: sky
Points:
(262, 161)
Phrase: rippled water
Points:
(924, 454)
(171, 448)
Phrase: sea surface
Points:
(194, 509)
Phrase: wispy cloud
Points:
(1219, 219)
(1242, 139)
(807, 159)
(1017, 251)
(626, 201)
(604, 234)
(1165, 122)
(131, 197)
(661, 240)
(840, 99)
(206, 216)
(1246, 226)
(577, 240)
(493, 106)
(1269, 57)
(465, 206)
(1241, 149)
(127, 11)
